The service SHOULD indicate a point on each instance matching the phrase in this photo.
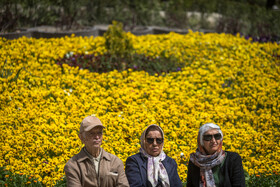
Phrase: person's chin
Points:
(214, 150)
(96, 145)
(214, 147)
(156, 153)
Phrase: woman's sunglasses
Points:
(209, 137)
(151, 140)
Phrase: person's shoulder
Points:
(110, 156)
(76, 157)
(233, 155)
(170, 160)
(72, 162)
(137, 155)
(137, 158)
(114, 160)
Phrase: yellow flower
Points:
(227, 80)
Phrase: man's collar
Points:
(92, 157)
(105, 155)
(84, 154)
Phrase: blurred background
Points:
(256, 18)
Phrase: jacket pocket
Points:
(110, 179)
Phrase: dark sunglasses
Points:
(151, 140)
(209, 137)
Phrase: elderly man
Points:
(93, 166)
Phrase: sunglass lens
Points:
(207, 137)
(150, 140)
(217, 136)
(159, 140)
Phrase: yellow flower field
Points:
(227, 80)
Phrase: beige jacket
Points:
(80, 171)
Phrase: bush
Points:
(117, 42)
(121, 56)
(247, 17)
(108, 62)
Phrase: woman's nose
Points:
(155, 143)
(213, 139)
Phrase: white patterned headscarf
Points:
(155, 168)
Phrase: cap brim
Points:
(91, 127)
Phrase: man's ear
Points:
(81, 137)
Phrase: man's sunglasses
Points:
(151, 140)
(209, 137)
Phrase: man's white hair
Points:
(204, 128)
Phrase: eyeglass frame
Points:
(216, 136)
(94, 134)
(152, 140)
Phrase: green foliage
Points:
(7, 178)
(27, 13)
(98, 14)
(203, 6)
(175, 14)
(117, 42)
(142, 12)
(61, 182)
(121, 56)
(7, 73)
(262, 180)
(130, 13)
(136, 62)
(70, 14)
(249, 17)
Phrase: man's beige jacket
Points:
(80, 171)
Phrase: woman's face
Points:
(212, 145)
(153, 147)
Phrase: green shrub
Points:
(247, 18)
(136, 62)
(117, 42)
(121, 56)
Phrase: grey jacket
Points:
(80, 171)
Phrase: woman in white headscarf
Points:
(151, 167)
(210, 165)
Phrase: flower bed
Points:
(227, 80)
